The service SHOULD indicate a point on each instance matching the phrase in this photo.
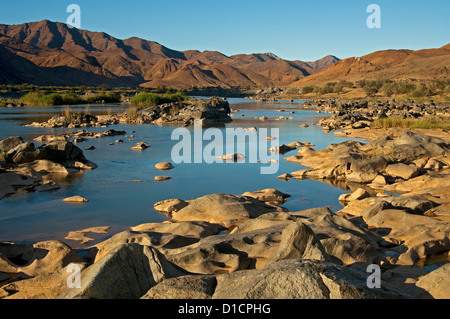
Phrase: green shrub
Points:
(36, 98)
(71, 99)
(308, 89)
(153, 99)
(108, 97)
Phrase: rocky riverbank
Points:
(396, 216)
(182, 113)
(248, 246)
(359, 114)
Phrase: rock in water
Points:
(164, 166)
(76, 200)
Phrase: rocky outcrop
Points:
(360, 114)
(288, 279)
(127, 272)
(238, 247)
(177, 113)
(249, 246)
(27, 164)
(393, 159)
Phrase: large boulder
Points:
(9, 143)
(421, 241)
(24, 153)
(127, 272)
(61, 151)
(270, 195)
(223, 209)
(30, 260)
(287, 279)
(436, 283)
(402, 170)
(44, 286)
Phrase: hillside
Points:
(50, 53)
(391, 64)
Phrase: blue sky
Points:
(294, 30)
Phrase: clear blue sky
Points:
(292, 29)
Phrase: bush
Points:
(370, 89)
(71, 99)
(36, 98)
(108, 97)
(153, 99)
(308, 89)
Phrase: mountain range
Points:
(51, 53)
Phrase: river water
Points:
(116, 200)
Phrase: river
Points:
(116, 200)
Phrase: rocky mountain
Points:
(391, 64)
(51, 53)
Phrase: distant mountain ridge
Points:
(51, 53)
(389, 64)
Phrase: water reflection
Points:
(116, 201)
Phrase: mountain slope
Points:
(48, 52)
(392, 64)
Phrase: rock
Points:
(24, 153)
(298, 241)
(191, 229)
(80, 235)
(86, 165)
(270, 195)
(421, 241)
(164, 166)
(285, 176)
(295, 144)
(362, 177)
(264, 221)
(228, 252)
(224, 209)
(127, 272)
(358, 194)
(185, 287)
(76, 200)
(235, 157)
(170, 206)
(49, 167)
(395, 219)
(47, 186)
(44, 286)
(281, 149)
(61, 151)
(304, 125)
(301, 279)
(10, 143)
(341, 238)
(402, 170)
(162, 178)
(434, 164)
(436, 283)
(378, 182)
(10, 181)
(30, 260)
(375, 208)
(140, 146)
